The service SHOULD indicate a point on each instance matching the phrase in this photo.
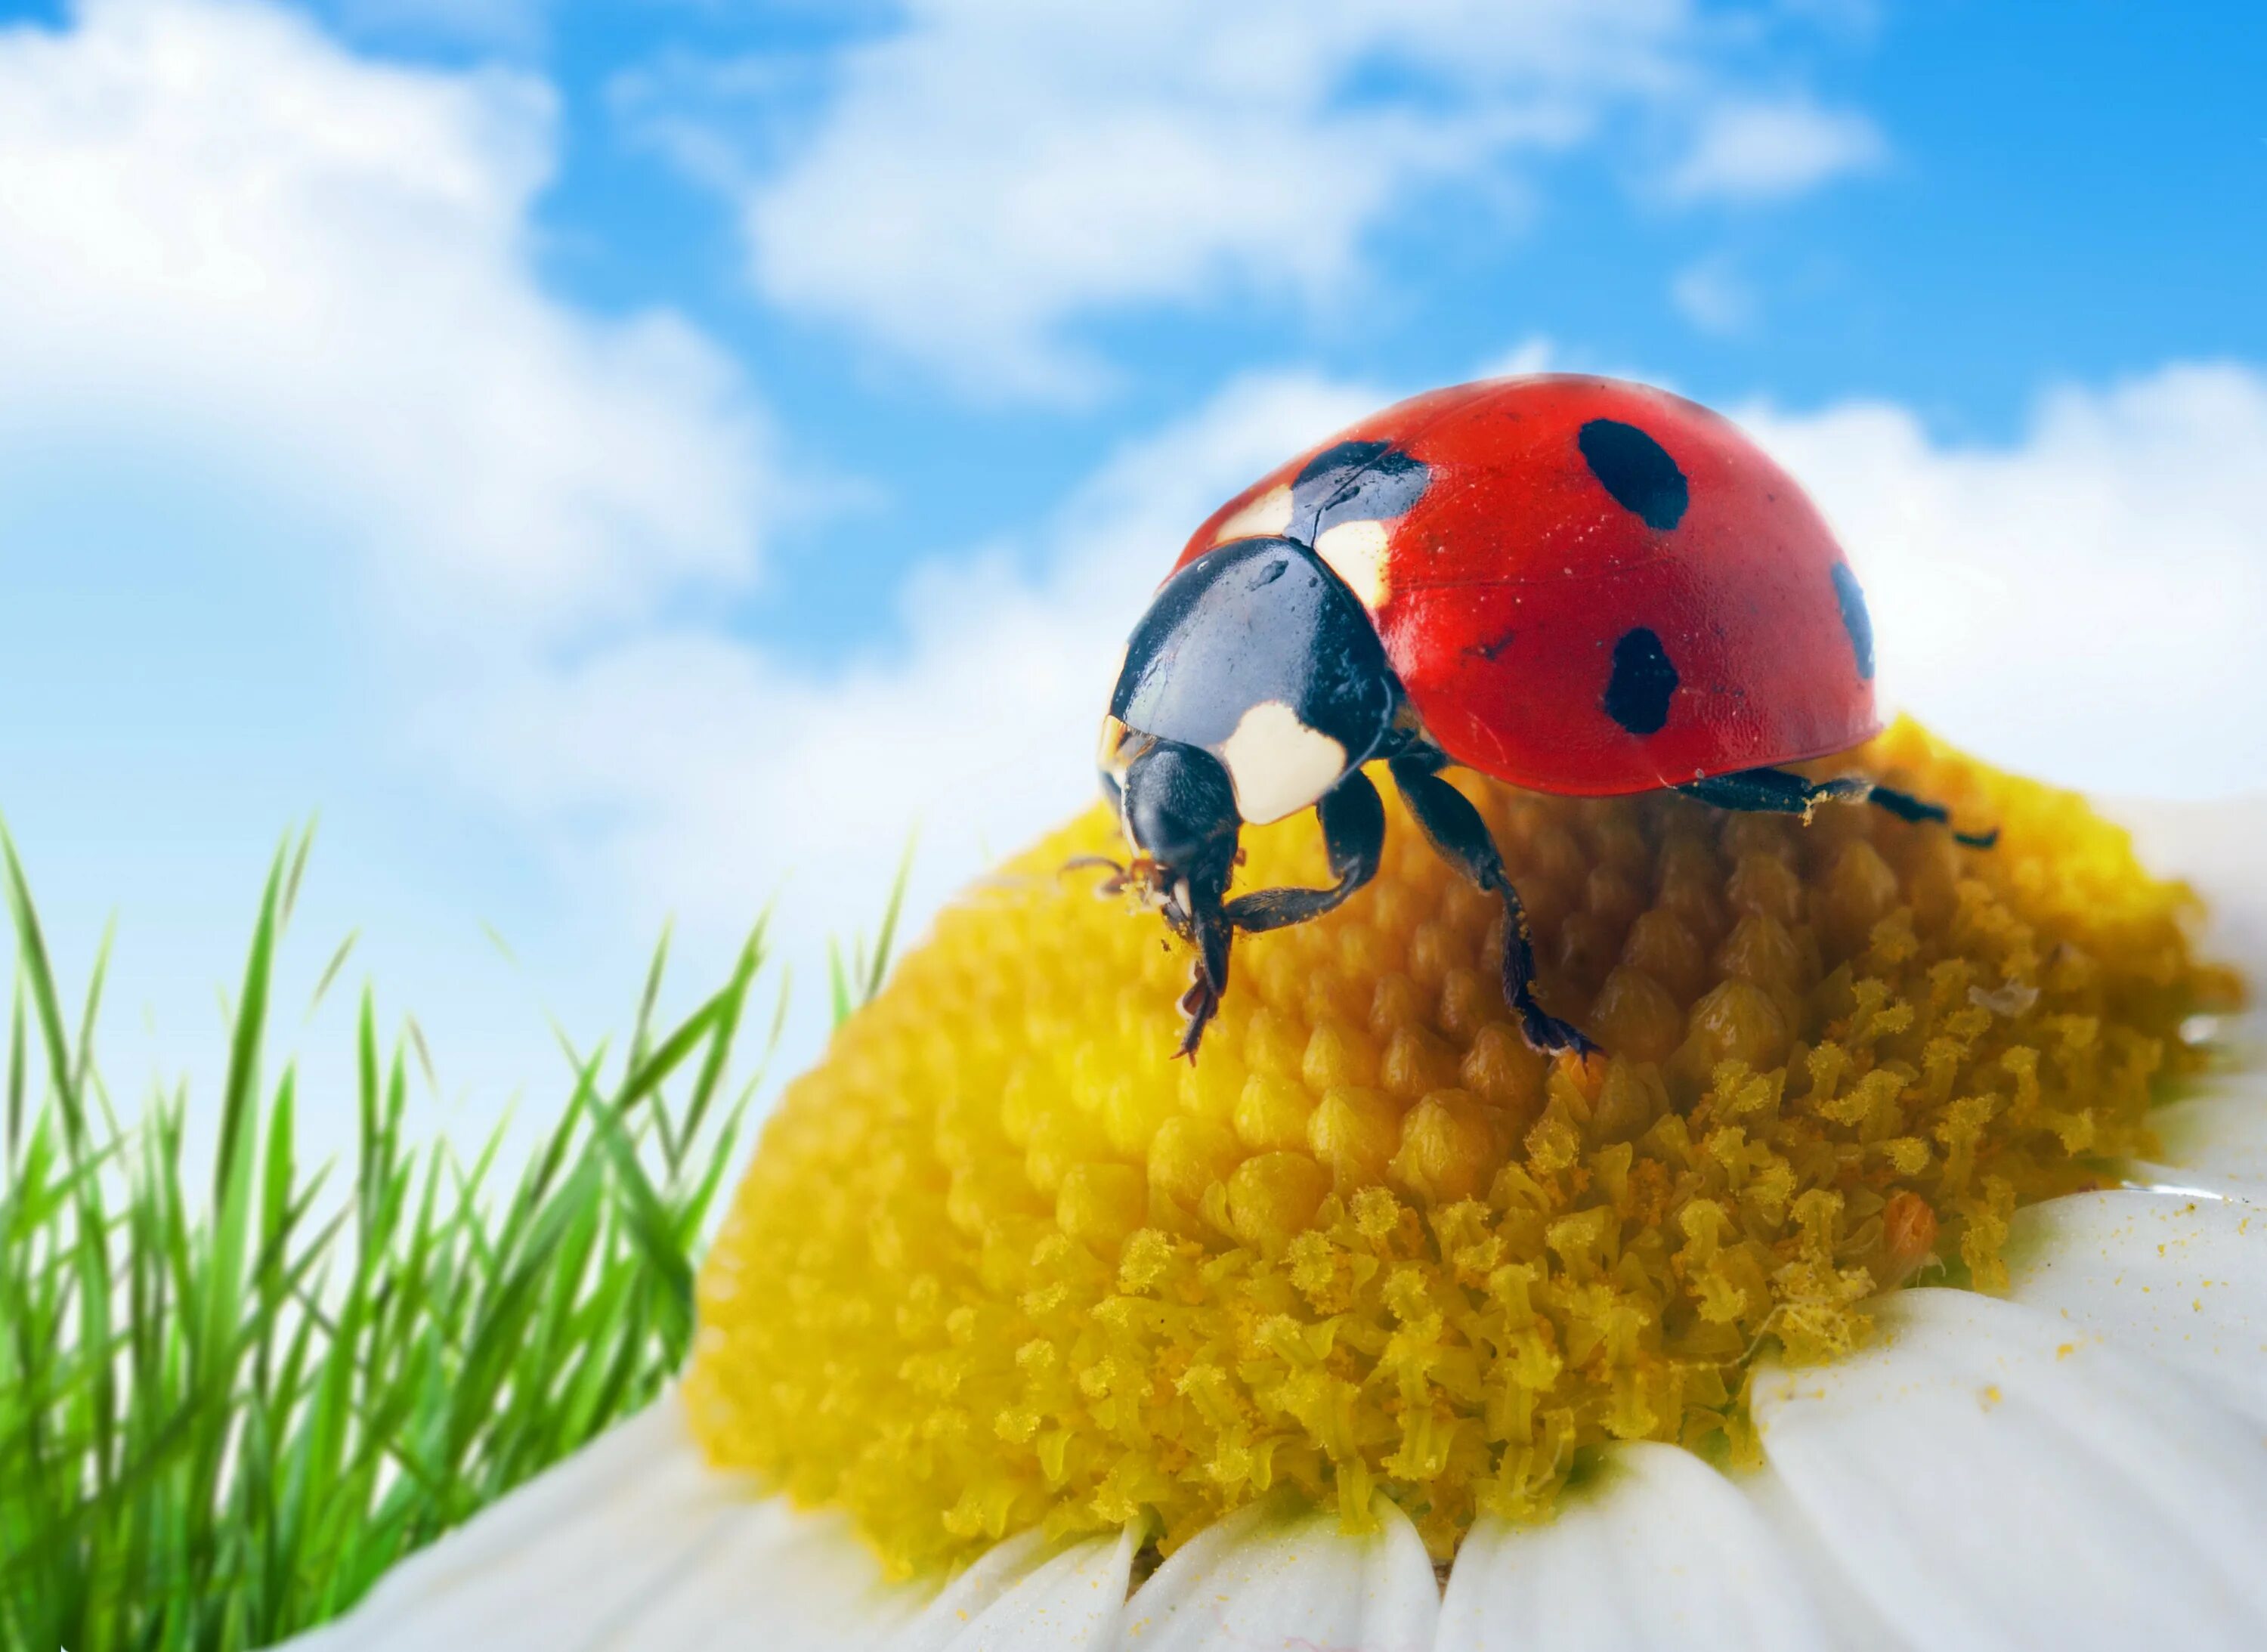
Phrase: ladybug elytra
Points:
(1574, 585)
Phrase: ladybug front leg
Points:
(1460, 837)
(1206, 924)
(1354, 835)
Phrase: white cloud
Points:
(1534, 353)
(1714, 297)
(982, 180)
(1749, 152)
(719, 774)
(231, 250)
(1539, 353)
(2086, 604)
(221, 224)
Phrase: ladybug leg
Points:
(1207, 925)
(1460, 837)
(1905, 806)
(1353, 833)
(1776, 791)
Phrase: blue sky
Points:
(614, 461)
(2052, 193)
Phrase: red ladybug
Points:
(1577, 585)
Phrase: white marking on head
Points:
(1267, 517)
(1277, 764)
(1356, 553)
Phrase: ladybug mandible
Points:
(1577, 585)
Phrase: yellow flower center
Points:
(1000, 1261)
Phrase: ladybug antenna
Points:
(1113, 884)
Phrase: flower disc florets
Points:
(1000, 1261)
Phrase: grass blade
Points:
(231, 1396)
(331, 971)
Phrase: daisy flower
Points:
(1891, 1280)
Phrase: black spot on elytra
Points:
(1637, 470)
(1855, 620)
(1353, 481)
(1490, 651)
(1637, 694)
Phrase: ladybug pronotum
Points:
(1573, 584)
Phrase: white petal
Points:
(2184, 1281)
(1661, 1550)
(1025, 1596)
(1857, 1625)
(1263, 1580)
(2217, 1140)
(634, 1542)
(2221, 848)
(970, 1593)
(2214, 1141)
(1983, 1480)
(766, 1576)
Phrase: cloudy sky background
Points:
(616, 462)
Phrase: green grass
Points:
(232, 1394)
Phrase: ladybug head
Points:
(1251, 686)
(1179, 810)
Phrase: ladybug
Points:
(1574, 585)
